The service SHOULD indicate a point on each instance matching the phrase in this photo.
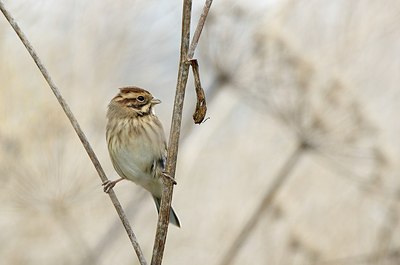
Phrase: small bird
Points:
(136, 142)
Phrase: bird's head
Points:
(132, 102)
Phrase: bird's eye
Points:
(140, 98)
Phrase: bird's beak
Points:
(155, 101)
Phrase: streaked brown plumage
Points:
(136, 142)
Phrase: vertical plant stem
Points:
(77, 129)
(162, 225)
(265, 204)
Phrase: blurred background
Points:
(298, 162)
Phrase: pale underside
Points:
(141, 158)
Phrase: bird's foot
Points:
(109, 184)
(167, 176)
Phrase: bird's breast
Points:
(134, 148)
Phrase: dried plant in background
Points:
(314, 104)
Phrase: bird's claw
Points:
(167, 176)
(108, 185)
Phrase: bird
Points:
(137, 144)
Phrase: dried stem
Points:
(185, 56)
(199, 28)
(163, 217)
(201, 106)
(266, 202)
(77, 129)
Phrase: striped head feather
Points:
(131, 102)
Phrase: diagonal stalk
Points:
(385, 234)
(77, 128)
(264, 205)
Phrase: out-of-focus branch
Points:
(266, 202)
(77, 129)
(112, 233)
(183, 73)
(392, 256)
(385, 234)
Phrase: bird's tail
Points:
(173, 218)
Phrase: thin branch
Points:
(163, 218)
(186, 55)
(199, 28)
(392, 255)
(266, 202)
(77, 129)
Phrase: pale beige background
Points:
(276, 73)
